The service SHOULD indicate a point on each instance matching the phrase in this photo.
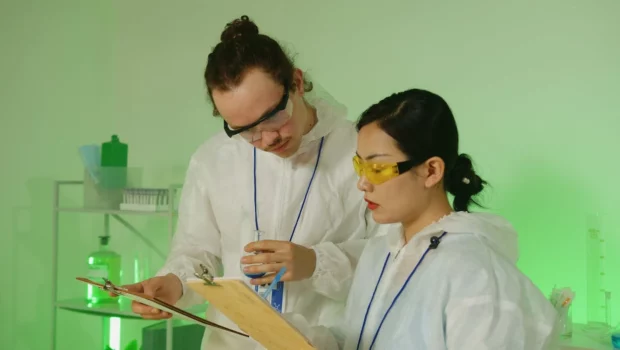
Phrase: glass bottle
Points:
(566, 318)
(103, 263)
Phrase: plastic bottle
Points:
(103, 263)
(114, 153)
(114, 158)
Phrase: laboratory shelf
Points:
(114, 211)
(121, 309)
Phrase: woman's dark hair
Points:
(423, 126)
(243, 48)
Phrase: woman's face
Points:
(258, 95)
(400, 198)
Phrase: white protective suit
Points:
(467, 294)
(216, 216)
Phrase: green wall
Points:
(534, 85)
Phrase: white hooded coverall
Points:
(467, 294)
(216, 217)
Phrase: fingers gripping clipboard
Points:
(252, 314)
(156, 303)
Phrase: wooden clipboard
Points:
(252, 314)
(156, 303)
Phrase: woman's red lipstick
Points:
(371, 205)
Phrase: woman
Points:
(448, 280)
(280, 166)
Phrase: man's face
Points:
(259, 96)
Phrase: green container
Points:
(114, 153)
(103, 263)
(133, 345)
(114, 156)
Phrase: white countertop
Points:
(582, 341)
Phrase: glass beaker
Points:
(257, 236)
(566, 322)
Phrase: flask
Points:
(103, 263)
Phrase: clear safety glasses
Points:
(378, 173)
(271, 121)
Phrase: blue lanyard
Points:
(303, 203)
(434, 244)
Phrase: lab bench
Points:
(581, 340)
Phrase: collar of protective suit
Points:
(493, 230)
(329, 113)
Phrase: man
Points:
(281, 168)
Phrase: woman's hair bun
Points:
(463, 182)
(240, 27)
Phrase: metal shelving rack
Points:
(123, 308)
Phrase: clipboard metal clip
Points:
(206, 276)
(110, 287)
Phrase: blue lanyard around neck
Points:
(434, 243)
(303, 203)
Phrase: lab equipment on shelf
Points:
(145, 199)
(114, 153)
(103, 264)
(106, 173)
(102, 201)
(91, 159)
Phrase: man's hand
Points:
(166, 288)
(300, 261)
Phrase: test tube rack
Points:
(145, 199)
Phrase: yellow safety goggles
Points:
(378, 173)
